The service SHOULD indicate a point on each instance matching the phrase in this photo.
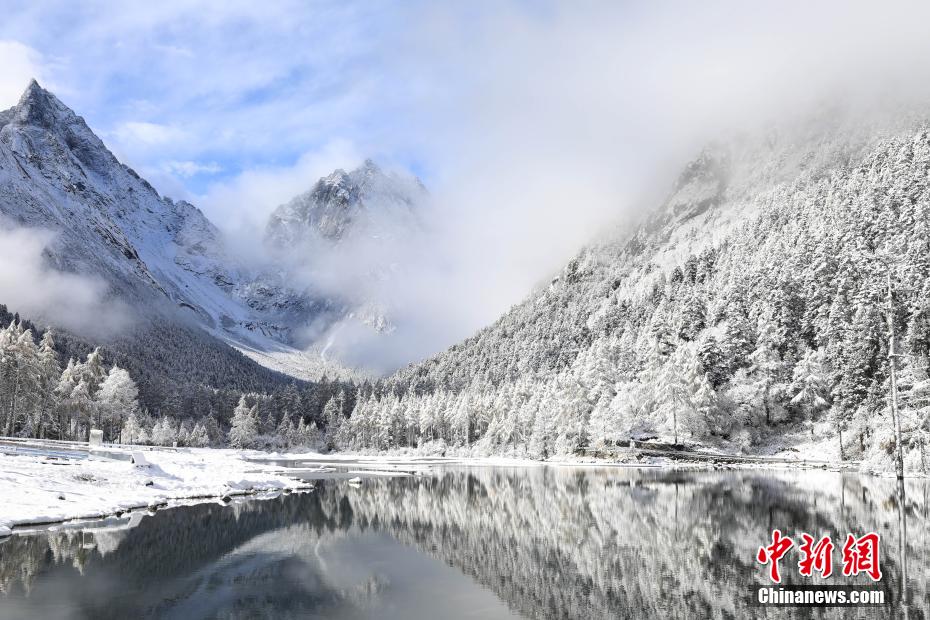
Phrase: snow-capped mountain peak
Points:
(41, 108)
(342, 202)
(41, 122)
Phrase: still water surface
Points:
(540, 542)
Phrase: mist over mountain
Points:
(364, 201)
(344, 238)
(747, 310)
(108, 251)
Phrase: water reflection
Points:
(536, 542)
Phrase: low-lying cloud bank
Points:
(48, 296)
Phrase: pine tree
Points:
(332, 414)
(703, 417)
(243, 432)
(92, 371)
(117, 398)
(766, 364)
(575, 409)
(712, 362)
(810, 386)
(63, 390)
(914, 390)
(164, 432)
(198, 437)
(49, 373)
(858, 362)
(82, 406)
(20, 368)
(284, 433)
(132, 431)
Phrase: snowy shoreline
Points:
(43, 483)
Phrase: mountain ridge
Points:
(157, 254)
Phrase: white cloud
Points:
(44, 294)
(143, 133)
(187, 169)
(19, 65)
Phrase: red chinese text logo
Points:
(774, 552)
(817, 557)
(860, 555)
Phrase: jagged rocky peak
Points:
(39, 107)
(40, 125)
(341, 201)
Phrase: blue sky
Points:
(196, 93)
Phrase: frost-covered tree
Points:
(306, 435)
(82, 407)
(92, 371)
(198, 437)
(49, 372)
(243, 431)
(333, 415)
(117, 398)
(20, 370)
(164, 432)
(810, 386)
(132, 432)
(766, 364)
(284, 433)
(914, 390)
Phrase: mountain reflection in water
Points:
(540, 542)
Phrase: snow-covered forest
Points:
(42, 397)
(754, 304)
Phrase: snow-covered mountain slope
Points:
(156, 255)
(750, 303)
(714, 208)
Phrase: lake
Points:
(476, 542)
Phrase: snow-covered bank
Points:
(40, 484)
(47, 482)
(798, 455)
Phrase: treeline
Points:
(55, 386)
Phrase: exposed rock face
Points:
(345, 203)
(155, 254)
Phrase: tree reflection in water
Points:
(549, 542)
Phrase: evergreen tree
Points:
(132, 431)
(243, 432)
(810, 386)
(198, 437)
(164, 432)
(117, 398)
(49, 373)
(766, 364)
